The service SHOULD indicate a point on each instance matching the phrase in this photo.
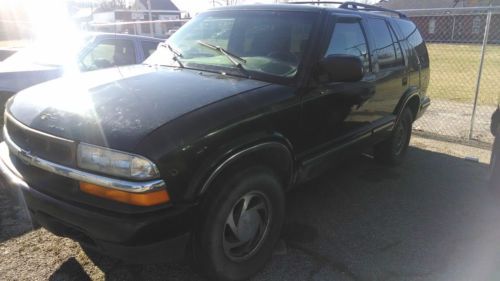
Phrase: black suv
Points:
(193, 151)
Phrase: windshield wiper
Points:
(177, 53)
(236, 60)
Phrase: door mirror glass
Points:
(341, 68)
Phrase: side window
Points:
(109, 53)
(349, 39)
(397, 45)
(385, 48)
(148, 47)
(412, 35)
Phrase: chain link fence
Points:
(464, 50)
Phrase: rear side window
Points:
(410, 33)
(387, 48)
(349, 39)
(397, 46)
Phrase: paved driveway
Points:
(433, 218)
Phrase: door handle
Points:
(404, 81)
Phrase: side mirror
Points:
(342, 68)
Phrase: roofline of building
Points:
(451, 8)
(143, 11)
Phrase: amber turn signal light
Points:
(138, 199)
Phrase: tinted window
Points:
(384, 45)
(412, 35)
(397, 46)
(109, 53)
(349, 39)
(148, 47)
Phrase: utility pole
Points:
(151, 30)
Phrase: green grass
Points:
(454, 70)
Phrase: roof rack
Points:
(369, 8)
(316, 2)
(353, 6)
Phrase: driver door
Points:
(329, 119)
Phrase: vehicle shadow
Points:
(14, 217)
(432, 218)
(70, 270)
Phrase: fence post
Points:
(480, 72)
(453, 30)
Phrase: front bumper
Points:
(156, 236)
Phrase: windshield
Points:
(51, 52)
(266, 42)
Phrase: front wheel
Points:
(393, 150)
(241, 221)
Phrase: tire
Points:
(215, 247)
(393, 150)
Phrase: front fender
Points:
(257, 149)
(190, 148)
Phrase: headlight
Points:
(115, 163)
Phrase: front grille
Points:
(46, 182)
(42, 145)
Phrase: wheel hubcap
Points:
(400, 139)
(246, 226)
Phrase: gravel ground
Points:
(452, 119)
(432, 218)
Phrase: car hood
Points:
(118, 107)
(16, 77)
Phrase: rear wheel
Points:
(241, 222)
(393, 150)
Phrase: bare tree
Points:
(223, 2)
(111, 5)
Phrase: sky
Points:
(195, 6)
